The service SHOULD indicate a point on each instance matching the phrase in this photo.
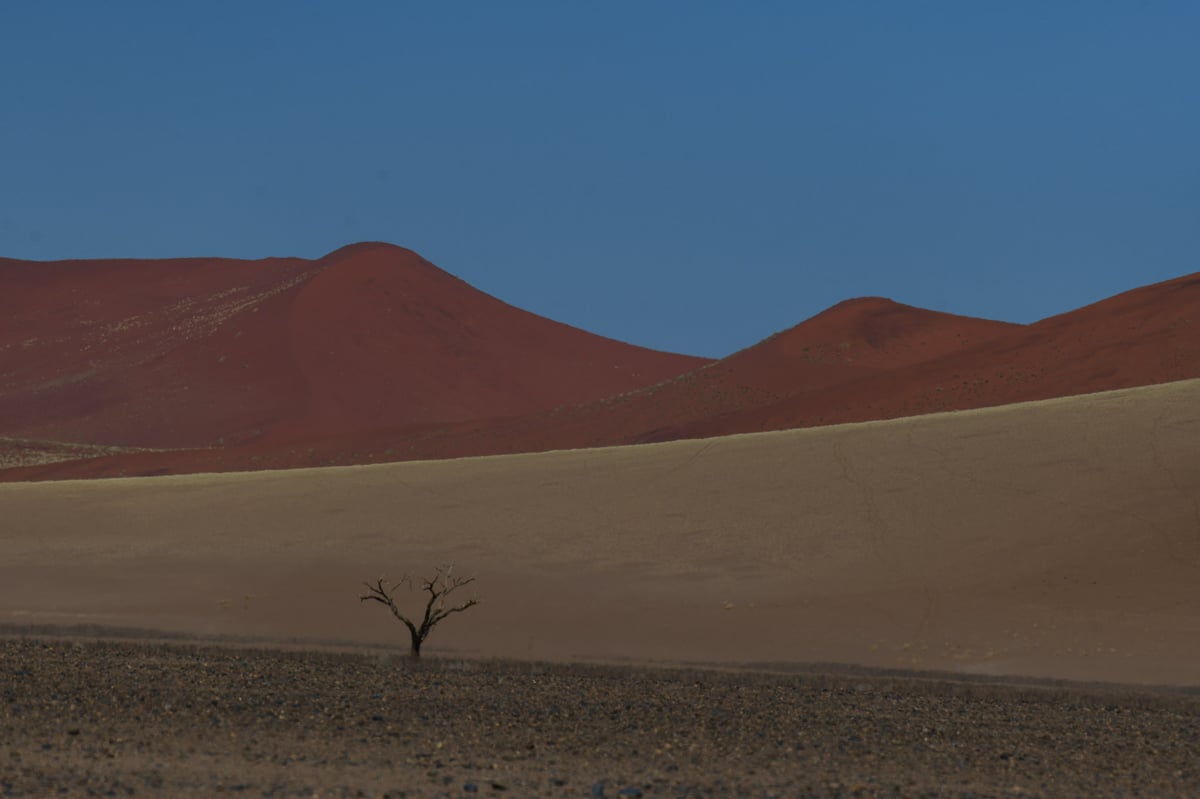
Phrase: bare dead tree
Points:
(439, 587)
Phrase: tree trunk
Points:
(415, 651)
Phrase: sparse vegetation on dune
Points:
(16, 453)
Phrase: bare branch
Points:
(470, 603)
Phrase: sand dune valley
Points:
(886, 552)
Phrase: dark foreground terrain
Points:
(120, 719)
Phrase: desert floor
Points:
(125, 719)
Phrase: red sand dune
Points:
(205, 352)
(392, 359)
(1145, 336)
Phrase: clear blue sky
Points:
(688, 175)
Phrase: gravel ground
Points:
(130, 718)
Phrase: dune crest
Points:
(383, 338)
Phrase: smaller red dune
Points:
(1146, 336)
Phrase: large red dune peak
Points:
(215, 352)
(384, 338)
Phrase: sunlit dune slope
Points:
(1058, 538)
(206, 352)
(146, 353)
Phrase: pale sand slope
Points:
(1058, 538)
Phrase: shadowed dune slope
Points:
(1058, 539)
(210, 352)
